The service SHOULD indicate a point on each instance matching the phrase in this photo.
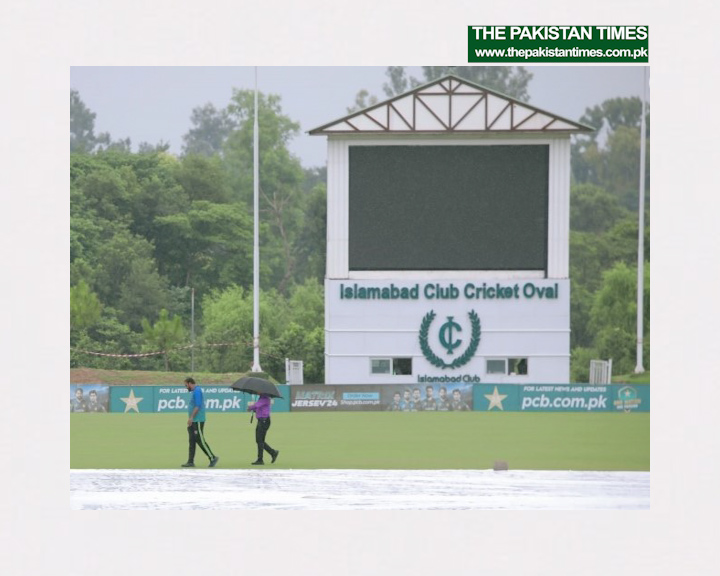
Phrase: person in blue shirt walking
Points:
(196, 425)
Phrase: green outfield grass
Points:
(373, 440)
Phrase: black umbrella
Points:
(255, 385)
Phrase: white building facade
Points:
(501, 316)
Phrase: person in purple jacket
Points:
(262, 411)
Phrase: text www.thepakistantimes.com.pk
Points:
(527, 53)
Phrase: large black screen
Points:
(448, 207)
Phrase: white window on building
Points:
(509, 366)
(496, 366)
(518, 366)
(380, 365)
(402, 366)
(395, 366)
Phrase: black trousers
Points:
(196, 437)
(263, 425)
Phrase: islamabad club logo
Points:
(449, 337)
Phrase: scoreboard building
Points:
(448, 240)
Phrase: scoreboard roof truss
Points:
(451, 105)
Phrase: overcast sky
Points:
(153, 104)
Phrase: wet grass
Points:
(373, 440)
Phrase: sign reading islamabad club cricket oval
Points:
(456, 329)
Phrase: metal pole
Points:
(639, 369)
(256, 243)
(192, 331)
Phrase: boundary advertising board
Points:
(154, 399)
(448, 397)
(89, 397)
(562, 398)
(378, 398)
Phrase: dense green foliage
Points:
(604, 240)
(147, 228)
(359, 440)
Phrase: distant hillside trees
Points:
(147, 227)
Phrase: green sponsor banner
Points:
(561, 398)
(401, 398)
(382, 398)
(218, 398)
(598, 44)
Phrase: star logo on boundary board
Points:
(495, 399)
(131, 402)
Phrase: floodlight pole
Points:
(639, 369)
(192, 331)
(256, 240)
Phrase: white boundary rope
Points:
(155, 353)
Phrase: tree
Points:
(317, 175)
(612, 114)
(147, 148)
(85, 307)
(165, 334)
(580, 363)
(141, 293)
(592, 255)
(610, 156)
(593, 209)
(82, 130)
(85, 233)
(622, 166)
(158, 192)
(613, 316)
(114, 257)
(280, 180)
(211, 127)
(204, 178)
(123, 145)
(82, 125)
(303, 335)
(363, 100)
(297, 343)
(208, 246)
(621, 243)
(581, 299)
(399, 81)
(109, 336)
(228, 318)
(307, 304)
(311, 241)
(106, 192)
(314, 361)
